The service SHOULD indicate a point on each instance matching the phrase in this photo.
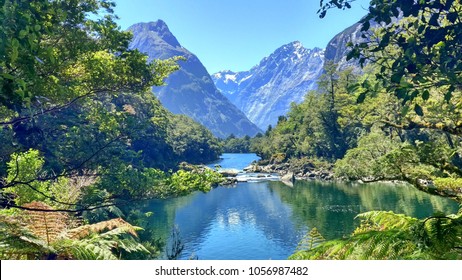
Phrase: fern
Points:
(382, 220)
(45, 235)
(311, 240)
(46, 225)
(83, 231)
(87, 249)
(17, 241)
(386, 235)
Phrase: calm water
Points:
(266, 220)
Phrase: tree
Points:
(80, 128)
(317, 127)
(425, 38)
(416, 47)
(191, 141)
(73, 91)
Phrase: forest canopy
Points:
(82, 135)
(401, 120)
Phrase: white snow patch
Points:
(229, 77)
(246, 78)
(298, 50)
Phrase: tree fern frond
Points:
(86, 249)
(370, 245)
(130, 245)
(311, 240)
(46, 225)
(441, 233)
(105, 240)
(383, 220)
(86, 230)
(386, 235)
(18, 242)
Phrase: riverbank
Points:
(307, 169)
(298, 169)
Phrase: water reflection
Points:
(266, 220)
(332, 207)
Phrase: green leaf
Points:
(418, 110)
(353, 88)
(448, 96)
(434, 19)
(404, 110)
(8, 76)
(354, 53)
(401, 93)
(425, 95)
(15, 43)
(366, 26)
(396, 77)
(22, 34)
(366, 85)
(385, 40)
(361, 97)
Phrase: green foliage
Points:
(316, 127)
(237, 145)
(43, 62)
(40, 234)
(184, 182)
(416, 44)
(386, 235)
(408, 114)
(23, 170)
(326, 5)
(450, 186)
(371, 158)
(191, 141)
(311, 240)
(80, 128)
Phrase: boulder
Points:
(229, 172)
(288, 179)
(253, 168)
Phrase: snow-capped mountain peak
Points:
(265, 92)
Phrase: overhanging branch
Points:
(453, 130)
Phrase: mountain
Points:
(266, 91)
(337, 48)
(190, 90)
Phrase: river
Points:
(266, 220)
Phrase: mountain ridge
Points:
(265, 91)
(190, 90)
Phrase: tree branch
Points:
(50, 110)
(455, 130)
(80, 210)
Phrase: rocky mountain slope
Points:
(266, 91)
(337, 49)
(190, 90)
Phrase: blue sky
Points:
(236, 35)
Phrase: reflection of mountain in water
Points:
(266, 220)
(230, 221)
(157, 217)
